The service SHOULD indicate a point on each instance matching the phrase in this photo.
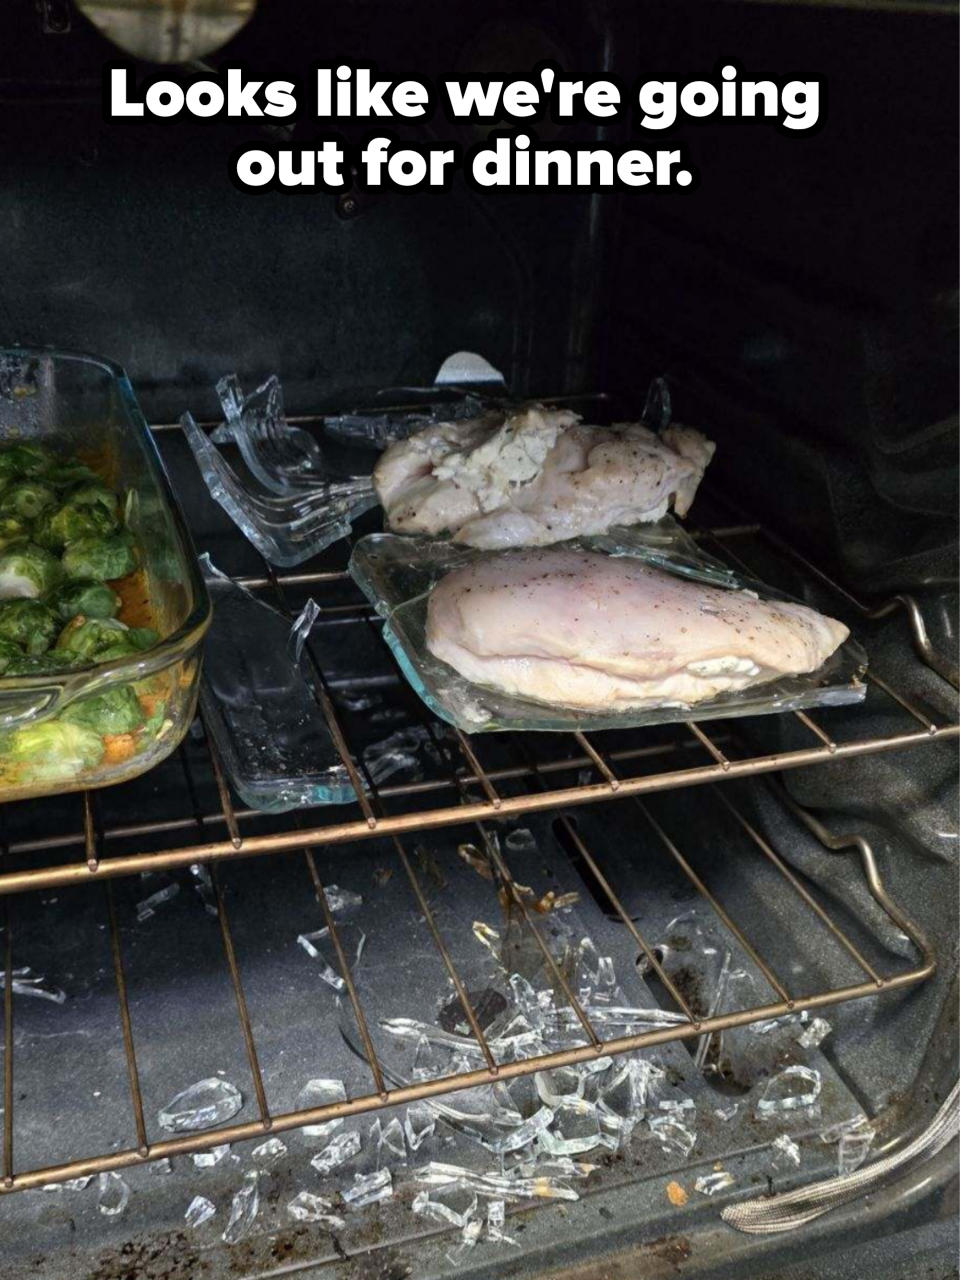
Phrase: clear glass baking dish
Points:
(83, 406)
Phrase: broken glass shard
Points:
(726, 1110)
(243, 1209)
(112, 1194)
(674, 1136)
(626, 1093)
(78, 1184)
(764, 1028)
(522, 1135)
(321, 1093)
(388, 1137)
(454, 1205)
(27, 983)
(203, 885)
(306, 1207)
(338, 1151)
(619, 1016)
(855, 1143)
(470, 1233)
(341, 901)
(786, 1152)
(502, 1185)
(814, 1033)
(712, 1183)
(199, 1210)
(575, 1128)
(419, 1124)
(268, 1153)
(205, 1104)
(606, 974)
(319, 946)
(148, 906)
(561, 1084)
(161, 1166)
(369, 1188)
(207, 1159)
(792, 1089)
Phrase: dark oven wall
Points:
(132, 241)
(804, 297)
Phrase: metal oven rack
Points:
(470, 795)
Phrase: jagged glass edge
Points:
(285, 794)
(477, 709)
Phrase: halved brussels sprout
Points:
(71, 523)
(115, 710)
(25, 459)
(28, 623)
(94, 493)
(9, 652)
(12, 532)
(86, 637)
(103, 558)
(87, 597)
(28, 499)
(27, 570)
(52, 749)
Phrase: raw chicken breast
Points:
(582, 629)
(541, 476)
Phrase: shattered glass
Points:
(161, 1166)
(243, 1209)
(319, 946)
(203, 884)
(307, 1207)
(28, 983)
(814, 1033)
(321, 1093)
(207, 1159)
(559, 1084)
(341, 901)
(795, 1088)
(574, 1129)
(419, 1124)
(343, 1147)
(854, 1138)
(268, 1153)
(199, 1210)
(388, 1139)
(713, 1183)
(369, 1188)
(786, 1152)
(147, 907)
(203, 1105)
(113, 1194)
(507, 1186)
(454, 1205)
(674, 1134)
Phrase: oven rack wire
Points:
(476, 801)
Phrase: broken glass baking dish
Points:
(62, 729)
(397, 574)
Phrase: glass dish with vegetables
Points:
(102, 607)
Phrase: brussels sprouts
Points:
(28, 499)
(9, 652)
(25, 459)
(103, 558)
(28, 570)
(86, 637)
(28, 623)
(63, 475)
(94, 493)
(71, 523)
(52, 749)
(43, 664)
(113, 711)
(12, 532)
(87, 597)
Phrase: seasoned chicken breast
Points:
(539, 477)
(582, 629)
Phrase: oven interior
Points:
(802, 305)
